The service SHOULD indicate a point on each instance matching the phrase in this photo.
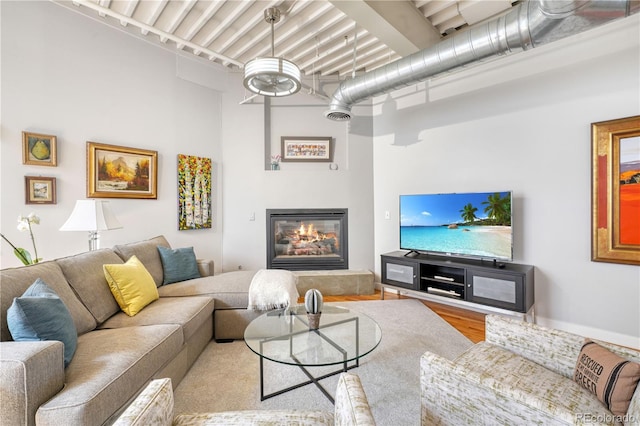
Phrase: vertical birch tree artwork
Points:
(194, 192)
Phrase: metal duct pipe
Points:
(527, 25)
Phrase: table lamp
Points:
(93, 216)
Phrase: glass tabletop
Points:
(284, 336)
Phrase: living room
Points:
(523, 125)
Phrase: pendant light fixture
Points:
(272, 76)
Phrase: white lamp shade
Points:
(91, 215)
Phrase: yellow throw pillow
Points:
(131, 285)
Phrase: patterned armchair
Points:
(522, 374)
(154, 406)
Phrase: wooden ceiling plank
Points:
(238, 33)
(208, 13)
(178, 18)
(155, 14)
(128, 10)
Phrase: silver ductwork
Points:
(527, 25)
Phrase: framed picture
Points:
(120, 172)
(296, 148)
(194, 192)
(39, 150)
(616, 191)
(40, 190)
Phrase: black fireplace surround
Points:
(307, 239)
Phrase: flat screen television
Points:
(474, 225)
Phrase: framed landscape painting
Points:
(121, 172)
(616, 191)
(40, 190)
(194, 192)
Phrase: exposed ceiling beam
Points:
(396, 23)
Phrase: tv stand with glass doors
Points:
(483, 285)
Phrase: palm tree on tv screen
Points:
(469, 213)
(498, 209)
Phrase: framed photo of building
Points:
(120, 172)
(40, 190)
(39, 149)
(616, 191)
(309, 149)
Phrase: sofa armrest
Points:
(351, 404)
(205, 266)
(30, 374)
(554, 349)
(153, 406)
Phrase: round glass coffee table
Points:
(283, 336)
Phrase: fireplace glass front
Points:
(307, 239)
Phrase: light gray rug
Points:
(227, 375)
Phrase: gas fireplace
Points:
(307, 239)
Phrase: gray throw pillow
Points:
(178, 264)
(39, 314)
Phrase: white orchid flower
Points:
(23, 226)
(33, 218)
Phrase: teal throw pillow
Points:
(178, 264)
(39, 314)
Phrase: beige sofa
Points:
(154, 406)
(116, 355)
(522, 374)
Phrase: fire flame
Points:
(308, 231)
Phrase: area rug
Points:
(226, 376)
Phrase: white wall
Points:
(66, 75)
(249, 189)
(530, 135)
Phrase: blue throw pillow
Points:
(39, 314)
(178, 264)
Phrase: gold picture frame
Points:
(615, 200)
(39, 149)
(121, 172)
(306, 148)
(40, 190)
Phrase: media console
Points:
(474, 283)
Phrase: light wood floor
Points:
(469, 323)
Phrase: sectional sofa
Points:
(116, 354)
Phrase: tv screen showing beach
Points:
(469, 224)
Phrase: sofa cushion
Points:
(147, 252)
(131, 285)
(525, 382)
(188, 312)
(178, 264)
(257, 418)
(154, 406)
(39, 314)
(230, 289)
(610, 377)
(108, 369)
(85, 275)
(16, 280)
